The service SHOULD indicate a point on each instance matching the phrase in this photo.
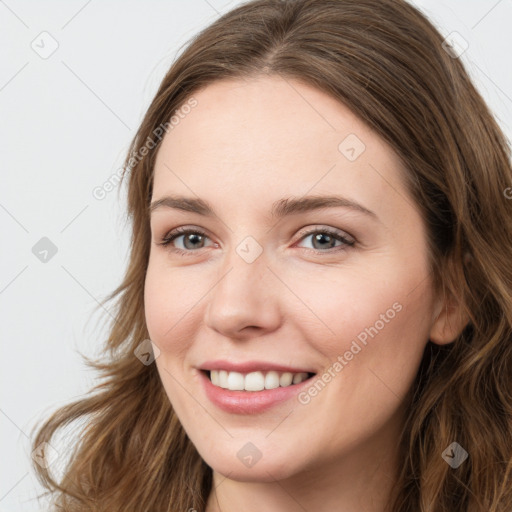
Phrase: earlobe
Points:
(449, 321)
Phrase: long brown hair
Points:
(386, 62)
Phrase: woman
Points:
(317, 311)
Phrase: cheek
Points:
(163, 311)
(383, 342)
(163, 304)
(171, 306)
(339, 307)
(374, 319)
(156, 306)
(373, 358)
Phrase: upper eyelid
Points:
(313, 227)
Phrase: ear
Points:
(448, 322)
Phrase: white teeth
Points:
(235, 381)
(299, 377)
(223, 379)
(255, 381)
(286, 379)
(271, 380)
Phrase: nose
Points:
(244, 301)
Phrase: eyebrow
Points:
(280, 209)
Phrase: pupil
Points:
(190, 238)
(319, 237)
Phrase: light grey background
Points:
(66, 121)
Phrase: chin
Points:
(267, 469)
(265, 473)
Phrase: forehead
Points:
(265, 135)
(265, 117)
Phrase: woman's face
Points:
(274, 285)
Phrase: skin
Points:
(246, 144)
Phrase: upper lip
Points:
(250, 366)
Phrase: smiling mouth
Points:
(255, 381)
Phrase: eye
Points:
(193, 240)
(325, 238)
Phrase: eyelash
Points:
(170, 237)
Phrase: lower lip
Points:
(249, 402)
